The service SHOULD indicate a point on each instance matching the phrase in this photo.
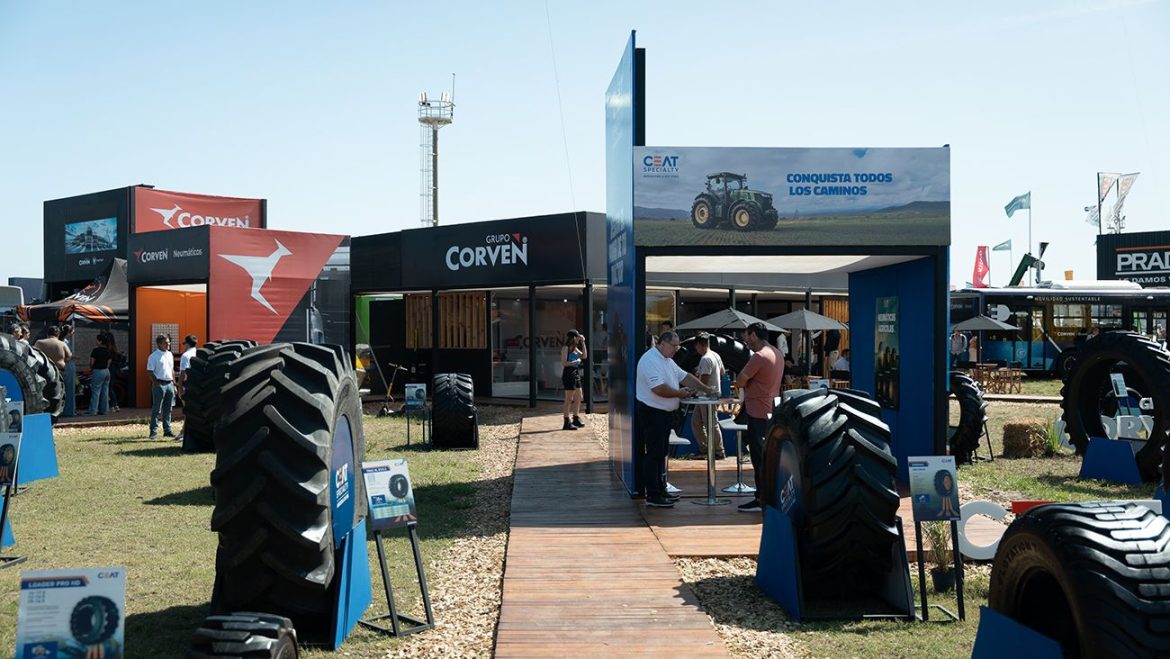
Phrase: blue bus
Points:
(1055, 317)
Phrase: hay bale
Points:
(1025, 438)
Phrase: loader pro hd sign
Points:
(759, 196)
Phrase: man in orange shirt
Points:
(760, 380)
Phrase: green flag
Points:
(1019, 203)
(1005, 246)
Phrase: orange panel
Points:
(158, 305)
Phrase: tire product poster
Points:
(416, 396)
(391, 495)
(934, 488)
(11, 429)
(886, 353)
(772, 196)
(71, 613)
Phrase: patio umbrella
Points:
(980, 323)
(803, 319)
(726, 319)
(983, 323)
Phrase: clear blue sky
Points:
(313, 105)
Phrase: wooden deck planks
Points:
(584, 574)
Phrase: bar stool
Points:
(675, 440)
(739, 487)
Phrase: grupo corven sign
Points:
(160, 210)
(498, 249)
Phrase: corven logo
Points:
(499, 249)
(143, 256)
(177, 218)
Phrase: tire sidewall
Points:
(347, 495)
(1020, 558)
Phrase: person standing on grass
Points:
(659, 387)
(760, 380)
(189, 344)
(161, 366)
(573, 356)
(710, 373)
(99, 379)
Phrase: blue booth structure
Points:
(876, 221)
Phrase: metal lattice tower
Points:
(432, 115)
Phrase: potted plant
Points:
(942, 571)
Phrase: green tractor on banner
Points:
(727, 200)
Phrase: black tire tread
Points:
(242, 635)
(41, 384)
(972, 417)
(202, 405)
(454, 416)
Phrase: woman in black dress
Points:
(573, 356)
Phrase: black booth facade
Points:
(1142, 257)
(492, 299)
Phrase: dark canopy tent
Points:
(105, 300)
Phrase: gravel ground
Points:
(750, 624)
(466, 580)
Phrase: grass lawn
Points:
(122, 500)
(1040, 386)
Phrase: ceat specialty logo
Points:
(260, 268)
(656, 163)
(498, 249)
(177, 218)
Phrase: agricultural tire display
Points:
(732, 351)
(287, 483)
(972, 417)
(745, 216)
(703, 214)
(202, 404)
(94, 620)
(828, 465)
(1091, 576)
(1146, 367)
(245, 635)
(41, 386)
(454, 418)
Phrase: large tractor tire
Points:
(769, 222)
(1091, 576)
(734, 353)
(202, 404)
(41, 386)
(972, 417)
(745, 216)
(245, 635)
(828, 465)
(454, 418)
(1147, 370)
(287, 481)
(703, 213)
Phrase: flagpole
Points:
(1030, 235)
(1099, 218)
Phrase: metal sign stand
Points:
(7, 561)
(424, 415)
(396, 619)
(956, 561)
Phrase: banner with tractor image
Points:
(809, 197)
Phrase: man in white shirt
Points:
(710, 373)
(660, 385)
(161, 367)
(185, 363)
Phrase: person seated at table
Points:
(842, 363)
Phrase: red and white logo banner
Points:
(1105, 181)
(259, 277)
(160, 210)
(982, 268)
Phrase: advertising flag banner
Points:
(161, 210)
(390, 493)
(934, 488)
(1005, 246)
(979, 279)
(1123, 186)
(1093, 215)
(1105, 181)
(789, 196)
(886, 352)
(1019, 203)
(72, 613)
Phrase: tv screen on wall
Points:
(91, 236)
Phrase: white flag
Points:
(1092, 215)
(1105, 181)
(1123, 186)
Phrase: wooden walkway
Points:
(584, 575)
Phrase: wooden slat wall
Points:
(418, 321)
(837, 308)
(463, 320)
